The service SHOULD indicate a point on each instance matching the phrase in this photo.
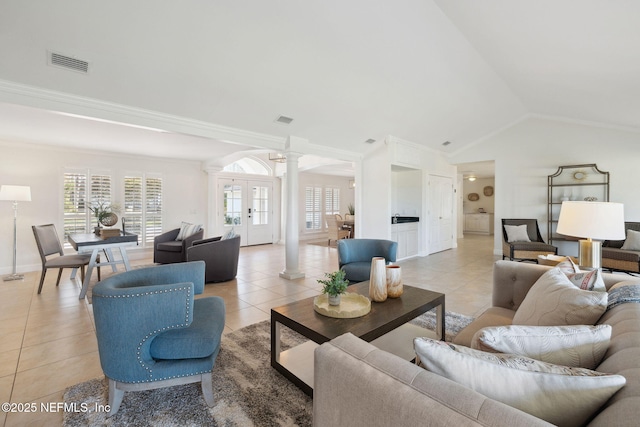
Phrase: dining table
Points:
(351, 224)
(93, 243)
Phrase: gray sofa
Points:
(357, 384)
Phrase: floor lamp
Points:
(591, 220)
(15, 194)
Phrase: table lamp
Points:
(15, 194)
(591, 220)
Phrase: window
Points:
(260, 214)
(332, 201)
(83, 191)
(232, 204)
(249, 166)
(143, 207)
(313, 213)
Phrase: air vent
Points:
(284, 120)
(67, 62)
(370, 141)
(446, 143)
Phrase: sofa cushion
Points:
(517, 233)
(579, 346)
(200, 339)
(554, 301)
(493, 316)
(358, 271)
(632, 242)
(170, 246)
(557, 394)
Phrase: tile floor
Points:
(47, 341)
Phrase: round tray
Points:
(351, 305)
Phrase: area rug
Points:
(247, 391)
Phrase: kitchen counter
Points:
(404, 219)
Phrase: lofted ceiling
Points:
(421, 70)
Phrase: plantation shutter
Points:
(313, 206)
(133, 204)
(100, 194)
(153, 211)
(75, 203)
(332, 201)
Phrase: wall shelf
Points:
(573, 182)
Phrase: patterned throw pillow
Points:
(187, 229)
(554, 301)
(229, 234)
(589, 280)
(517, 233)
(579, 346)
(557, 394)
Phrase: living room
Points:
(517, 86)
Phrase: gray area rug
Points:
(248, 392)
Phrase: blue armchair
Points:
(152, 333)
(354, 256)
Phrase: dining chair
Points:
(335, 231)
(49, 245)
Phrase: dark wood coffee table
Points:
(386, 326)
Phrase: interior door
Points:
(440, 213)
(247, 207)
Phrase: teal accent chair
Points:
(354, 256)
(151, 331)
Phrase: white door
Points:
(440, 213)
(247, 207)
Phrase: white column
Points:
(291, 270)
(212, 202)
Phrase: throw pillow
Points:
(187, 229)
(557, 394)
(590, 280)
(554, 301)
(229, 234)
(517, 233)
(632, 242)
(578, 346)
(567, 266)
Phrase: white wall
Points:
(406, 192)
(529, 151)
(375, 190)
(41, 168)
(477, 186)
(387, 191)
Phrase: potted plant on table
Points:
(105, 214)
(335, 285)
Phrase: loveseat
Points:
(616, 258)
(357, 384)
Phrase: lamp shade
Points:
(592, 220)
(15, 193)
